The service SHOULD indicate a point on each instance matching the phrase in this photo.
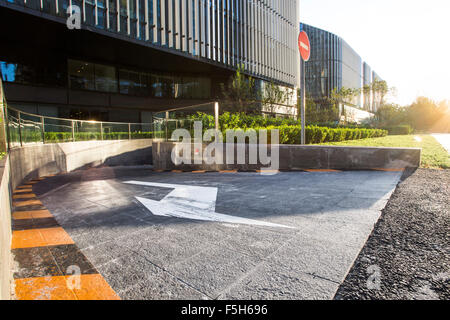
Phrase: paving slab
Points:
(292, 235)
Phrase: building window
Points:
(101, 14)
(134, 83)
(18, 73)
(133, 18)
(89, 10)
(90, 76)
(163, 86)
(204, 88)
(123, 16)
(81, 75)
(8, 71)
(190, 87)
(112, 15)
(47, 74)
(105, 78)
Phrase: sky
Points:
(407, 42)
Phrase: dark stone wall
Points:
(295, 157)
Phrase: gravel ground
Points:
(408, 254)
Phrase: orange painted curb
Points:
(27, 203)
(45, 288)
(24, 196)
(20, 191)
(322, 170)
(268, 171)
(74, 287)
(390, 170)
(40, 238)
(95, 287)
(70, 287)
(36, 214)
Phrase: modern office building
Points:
(367, 81)
(335, 65)
(133, 58)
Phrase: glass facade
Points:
(352, 76)
(34, 72)
(83, 75)
(260, 35)
(163, 85)
(335, 65)
(323, 72)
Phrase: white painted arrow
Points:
(192, 202)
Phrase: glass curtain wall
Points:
(260, 35)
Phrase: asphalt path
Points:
(219, 235)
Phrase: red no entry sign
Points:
(304, 46)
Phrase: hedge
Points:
(288, 134)
(241, 121)
(400, 130)
(244, 121)
(83, 136)
(317, 135)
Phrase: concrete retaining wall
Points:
(5, 230)
(293, 157)
(33, 161)
(114, 153)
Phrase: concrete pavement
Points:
(444, 140)
(310, 227)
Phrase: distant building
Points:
(335, 65)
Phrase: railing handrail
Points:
(16, 120)
(92, 121)
(77, 120)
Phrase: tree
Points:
(320, 111)
(389, 115)
(367, 92)
(344, 95)
(380, 90)
(443, 124)
(427, 115)
(273, 95)
(239, 94)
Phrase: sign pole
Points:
(304, 47)
(303, 100)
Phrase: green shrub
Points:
(241, 121)
(317, 135)
(86, 136)
(399, 130)
(350, 134)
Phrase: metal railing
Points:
(25, 128)
(18, 128)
